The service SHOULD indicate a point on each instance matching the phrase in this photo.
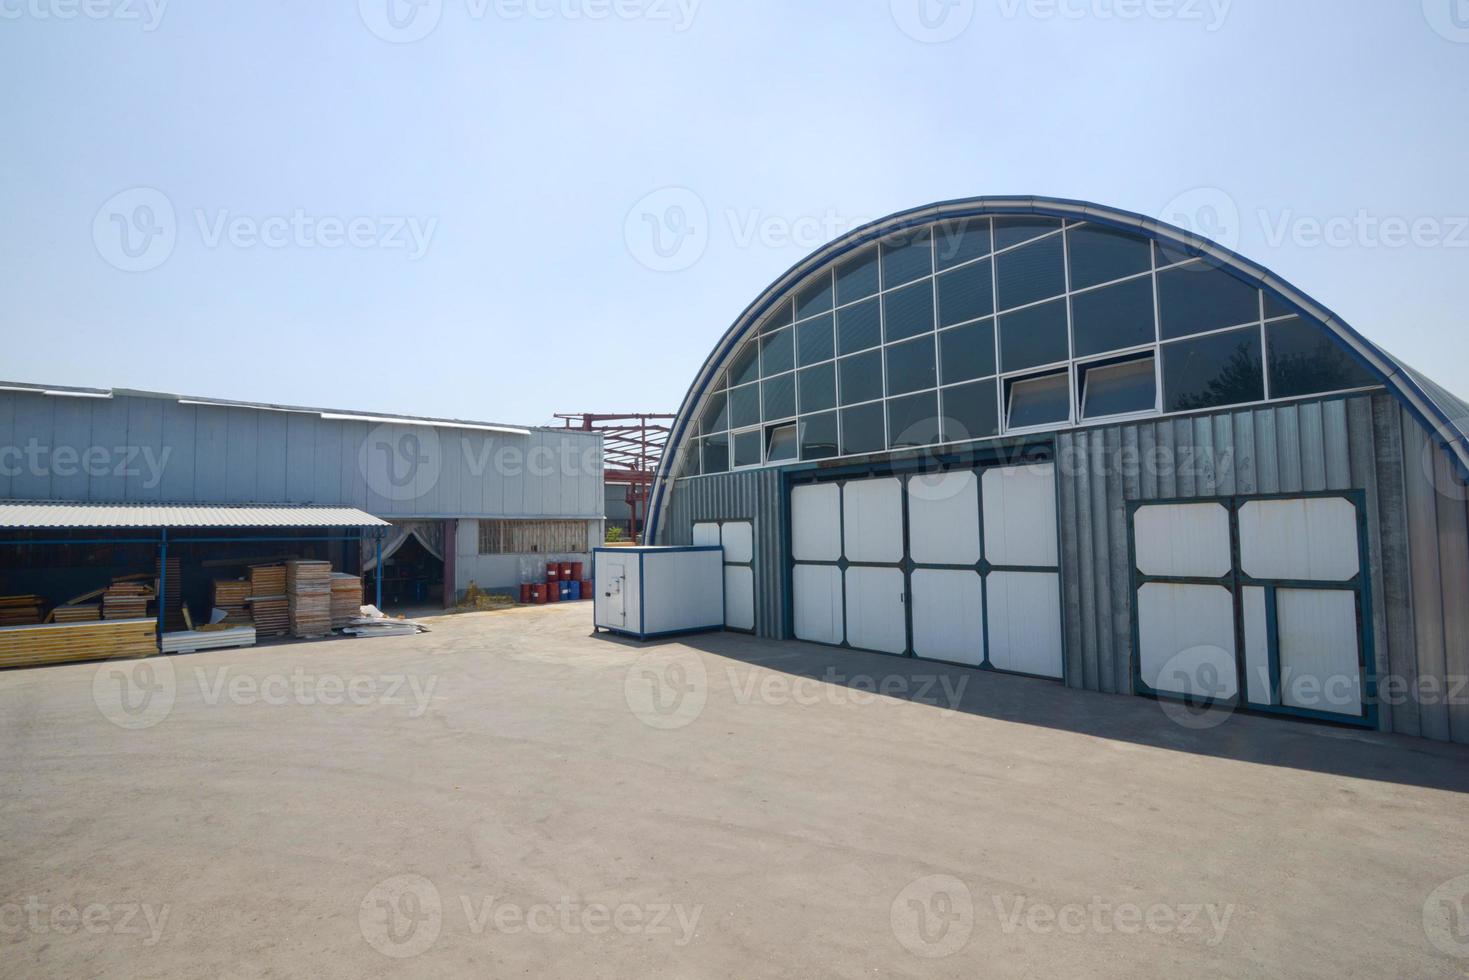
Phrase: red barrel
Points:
(525, 596)
(553, 571)
(576, 571)
(553, 591)
(586, 588)
(538, 593)
(566, 575)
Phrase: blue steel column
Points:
(379, 569)
(162, 584)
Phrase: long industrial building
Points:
(95, 482)
(1063, 440)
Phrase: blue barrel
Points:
(574, 588)
(565, 590)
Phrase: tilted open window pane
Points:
(913, 420)
(965, 294)
(1113, 317)
(1100, 255)
(1195, 298)
(911, 366)
(1033, 272)
(780, 442)
(1034, 336)
(907, 312)
(860, 377)
(1220, 369)
(862, 429)
(956, 242)
(1118, 387)
(1038, 400)
(1306, 360)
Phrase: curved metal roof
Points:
(1442, 413)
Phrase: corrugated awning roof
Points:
(51, 514)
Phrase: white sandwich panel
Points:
(943, 518)
(876, 612)
(738, 538)
(1020, 515)
(816, 603)
(739, 597)
(1183, 540)
(1320, 665)
(948, 615)
(706, 534)
(1310, 538)
(872, 515)
(656, 591)
(1186, 639)
(816, 522)
(1025, 622)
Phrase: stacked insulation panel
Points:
(232, 597)
(309, 593)
(26, 646)
(346, 604)
(268, 605)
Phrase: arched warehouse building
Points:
(1059, 439)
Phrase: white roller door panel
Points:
(816, 600)
(943, 518)
(872, 514)
(1257, 646)
(875, 610)
(1025, 622)
(738, 538)
(1319, 652)
(739, 597)
(1311, 538)
(816, 522)
(1186, 639)
(706, 534)
(1020, 515)
(948, 618)
(1183, 540)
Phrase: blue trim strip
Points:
(1399, 380)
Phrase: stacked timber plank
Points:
(172, 601)
(232, 597)
(25, 646)
(309, 591)
(20, 610)
(268, 605)
(126, 600)
(87, 613)
(346, 604)
(192, 641)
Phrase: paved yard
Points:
(511, 796)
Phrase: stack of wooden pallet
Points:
(87, 613)
(346, 599)
(126, 600)
(232, 597)
(173, 603)
(20, 610)
(309, 590)
(268, 605)
(24, 646)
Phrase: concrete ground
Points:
(509, 795)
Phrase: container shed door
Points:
(611, 598)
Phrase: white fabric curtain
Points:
(430, 534)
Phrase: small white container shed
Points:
(649, 592)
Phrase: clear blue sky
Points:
(518, 138)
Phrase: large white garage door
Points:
(1253, 602)
(958, 566)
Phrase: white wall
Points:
(505, 573)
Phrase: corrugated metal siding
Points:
(750, 495)
(161, 450)
(1418, 562)
(63, 515)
